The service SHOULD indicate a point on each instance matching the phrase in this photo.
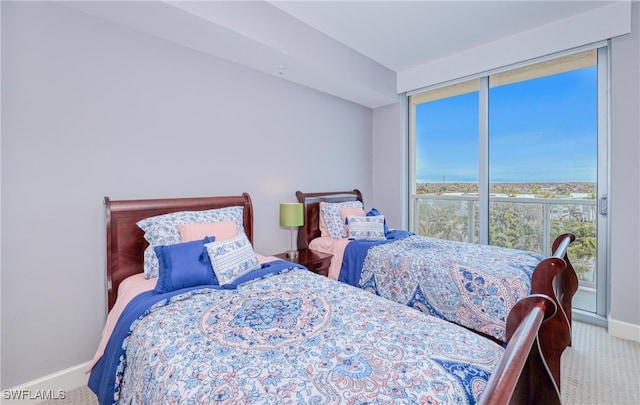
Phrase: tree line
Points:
(514, 225)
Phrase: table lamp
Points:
(291, 214)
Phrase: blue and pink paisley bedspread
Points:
(469, 284)
(300, 338)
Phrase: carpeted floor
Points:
(600, 369)
(597, 370)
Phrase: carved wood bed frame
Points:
(126, 243)
(553, 277)
(522, 376)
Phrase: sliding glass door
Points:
(447, 118)
(515, 158)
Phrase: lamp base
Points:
(292, 253)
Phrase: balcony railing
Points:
(521, 222)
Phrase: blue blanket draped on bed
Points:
(356, 252)
(102, 380)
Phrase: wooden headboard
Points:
(126, 243)
(311, 228)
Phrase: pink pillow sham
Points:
(223, 230)
(351, 211)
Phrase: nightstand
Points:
(313, 260)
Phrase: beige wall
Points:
(625, 175)
(92, 109)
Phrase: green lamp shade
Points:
(291, 214)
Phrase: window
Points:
(515, 158)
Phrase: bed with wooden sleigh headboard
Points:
(280, 333)
(126, 243)
(469, 284)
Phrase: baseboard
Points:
(52, 386)
(624, 330)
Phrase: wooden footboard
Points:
(566, 285)
(556, 278)
(522, 376)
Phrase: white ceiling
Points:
(350, 49)
(404, 34)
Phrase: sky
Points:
(540, 130)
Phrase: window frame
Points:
(603, 77)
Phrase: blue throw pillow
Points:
(184, 265)
(374, 213)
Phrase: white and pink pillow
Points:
(366, 228)
(232, 258)
(330, 213)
